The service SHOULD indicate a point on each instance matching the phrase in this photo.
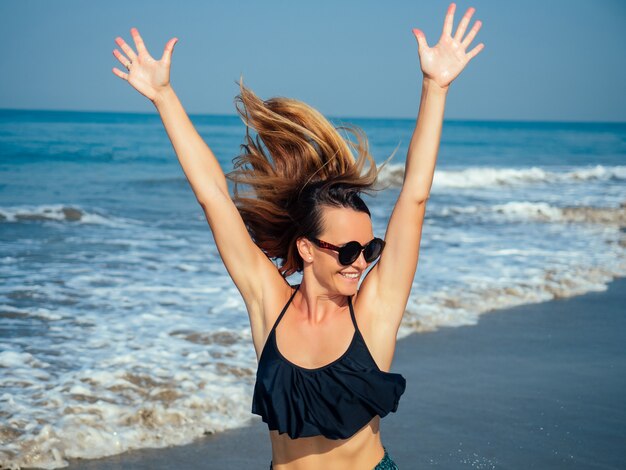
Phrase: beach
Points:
(534, 386)
(121, 330)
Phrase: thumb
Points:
(421, 39)
(167, 52)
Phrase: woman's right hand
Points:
(148, 76)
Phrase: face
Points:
(341, 225)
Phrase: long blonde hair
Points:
(296, 163)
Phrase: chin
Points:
(347, 286)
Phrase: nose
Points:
(360, 262)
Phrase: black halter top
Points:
(335, 400)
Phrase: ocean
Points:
(120, 328)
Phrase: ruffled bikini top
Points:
(335, 400)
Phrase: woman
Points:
(324, 347)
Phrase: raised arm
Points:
(389, 281)
(251, 271)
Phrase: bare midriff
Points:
(361, 451)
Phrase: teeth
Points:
(351, 276)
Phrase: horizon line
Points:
(234, 115)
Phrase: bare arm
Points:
(390, 280)
(393, 274)
(152, 79)
(248, 266)
(197, 160)
(246, 263)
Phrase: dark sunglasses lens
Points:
(348, 253)
(373, 250)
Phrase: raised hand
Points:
(444, 62)
(147, 75)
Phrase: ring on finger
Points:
(128, 65)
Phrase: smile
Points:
(350, 275)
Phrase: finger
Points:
(126, 48)
(167, 52)
(120, 74)
(123, 60)
(470, 36)
(447, 24)
(460, 31)
(141, 47)
(471, 54)
(421, 39)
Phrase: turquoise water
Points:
(120, 328)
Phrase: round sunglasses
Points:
(349, 252)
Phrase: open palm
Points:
(445, 61)
(147, 75)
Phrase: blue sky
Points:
(543, 60)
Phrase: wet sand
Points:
(537, 386)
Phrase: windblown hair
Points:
(297, 163)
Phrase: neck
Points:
(318, 304)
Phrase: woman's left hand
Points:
(444, 62)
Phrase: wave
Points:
(392, 175)
(464, 306)
(57, 213)
(541, 212)
(106, 413)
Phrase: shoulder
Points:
(369, 307)
(382, 309)
(376, 327)
(274, 301)
(265, 311)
